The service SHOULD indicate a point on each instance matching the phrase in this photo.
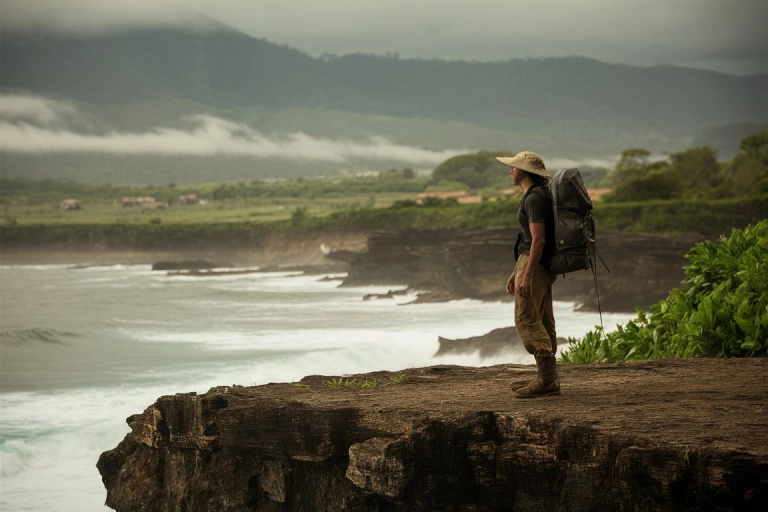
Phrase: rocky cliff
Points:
(476, 264)
(443, 264)
(657, 435)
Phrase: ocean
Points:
(84, 347)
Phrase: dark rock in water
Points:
(209, 273)
(436, 296)
(391, 294)
(488, 345)
(330, 278)
(188, 265)
(664, 435)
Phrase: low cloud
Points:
(33, 124)
(34, 109)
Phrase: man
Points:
(531, 283)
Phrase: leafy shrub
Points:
(722, 311)
(654, 185)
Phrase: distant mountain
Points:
(575, 106)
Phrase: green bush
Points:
(721, 311)
(476, 170)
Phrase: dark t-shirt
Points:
(534, 207)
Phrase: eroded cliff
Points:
(476, 264)
(657, 435)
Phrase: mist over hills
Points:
(567, 108)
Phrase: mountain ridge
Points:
(572, 107)
(229, 68)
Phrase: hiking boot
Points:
(547, 382)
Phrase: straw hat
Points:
(527, 161)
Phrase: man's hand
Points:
(511, 284)
(525, 286)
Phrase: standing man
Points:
(531, 283)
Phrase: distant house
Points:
(140, 201)
(189, 199)
(510, 192)
(70, 204)
(596, 193)
(470, 199)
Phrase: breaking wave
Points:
(22, 337)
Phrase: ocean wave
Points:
(110, 266)
(22, 337)
(53, 266)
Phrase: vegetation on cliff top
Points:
(721, 311)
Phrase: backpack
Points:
(573, 245)
(574, 226)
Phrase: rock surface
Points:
(476, 264)
(655, 435)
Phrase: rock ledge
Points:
(655, 435)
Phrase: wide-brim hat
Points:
(527, 161)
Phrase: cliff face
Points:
(659, 435)
(446, 264)
(476, 264)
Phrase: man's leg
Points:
(535, 323)
(548, 316)
(529, 311)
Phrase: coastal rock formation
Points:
(655, 435)
(440, 265)
(494, 343)
(476, 264)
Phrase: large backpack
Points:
(574, 226)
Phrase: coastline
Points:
(273, 250)
(439, 265)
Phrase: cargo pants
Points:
(534, 316)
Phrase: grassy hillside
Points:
(231, 69)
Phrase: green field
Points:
(235, 210)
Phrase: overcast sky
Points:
(723, 35)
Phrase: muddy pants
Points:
(534, 318)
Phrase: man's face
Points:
(515, 174)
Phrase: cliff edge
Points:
(654, 435)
